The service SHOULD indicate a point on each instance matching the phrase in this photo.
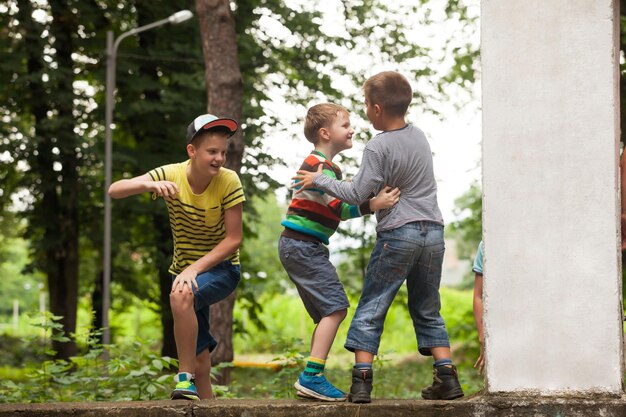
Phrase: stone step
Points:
(476, 406)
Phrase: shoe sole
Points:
(183, 396)
(303, 395)
(309, 393)
(359, 399)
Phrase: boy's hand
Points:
(480, 362)
(165, 189)
(187, 277)
(305, 179)
(623, 230)
(386, 198)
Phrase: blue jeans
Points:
(213, 286)
(413, 252)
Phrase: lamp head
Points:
(180, 17)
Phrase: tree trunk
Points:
(224, 98)
(63, 271)
(96, 303)
(160, 222)
(54, 215)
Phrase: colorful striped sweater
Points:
(314, 214)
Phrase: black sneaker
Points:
(361, 389)
(445, 385)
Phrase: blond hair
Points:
(390, 90)
(320, 116)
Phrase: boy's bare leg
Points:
(361, 356)
(440, 352)
(185, 329)
(324, 334)
(203, 375)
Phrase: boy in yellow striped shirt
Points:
(204, 202)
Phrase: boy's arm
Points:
(622, 166)
(349, 211)
(386, 198)
(228, 245)
(141, 184)
(368, 180)
(342, 210)
(478, 318)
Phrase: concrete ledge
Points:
(477, 406)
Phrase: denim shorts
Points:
(413, 252)
(316, 279)
(213, 286)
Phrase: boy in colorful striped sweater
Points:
(312, 217)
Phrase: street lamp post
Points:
(111, 53)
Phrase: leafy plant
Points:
(130, 374)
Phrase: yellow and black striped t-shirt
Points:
(197, 220)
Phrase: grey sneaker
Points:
(361, 389)
(445, 385)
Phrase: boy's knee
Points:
(181, 300)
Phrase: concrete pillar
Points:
(551, 196)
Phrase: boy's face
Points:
(209, 152)
(340, 132)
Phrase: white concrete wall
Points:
(550, 183)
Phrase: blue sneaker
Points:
(319, 388)
(185, 388)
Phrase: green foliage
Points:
(132, 374)
(135, 372)
(398, 337)
(263, 272)
(17, 284)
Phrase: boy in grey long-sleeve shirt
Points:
(400, 158)
(409, 244)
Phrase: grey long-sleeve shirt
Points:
(398, 158)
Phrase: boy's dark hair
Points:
(199, 137)
(319, 116)
(390, 90)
